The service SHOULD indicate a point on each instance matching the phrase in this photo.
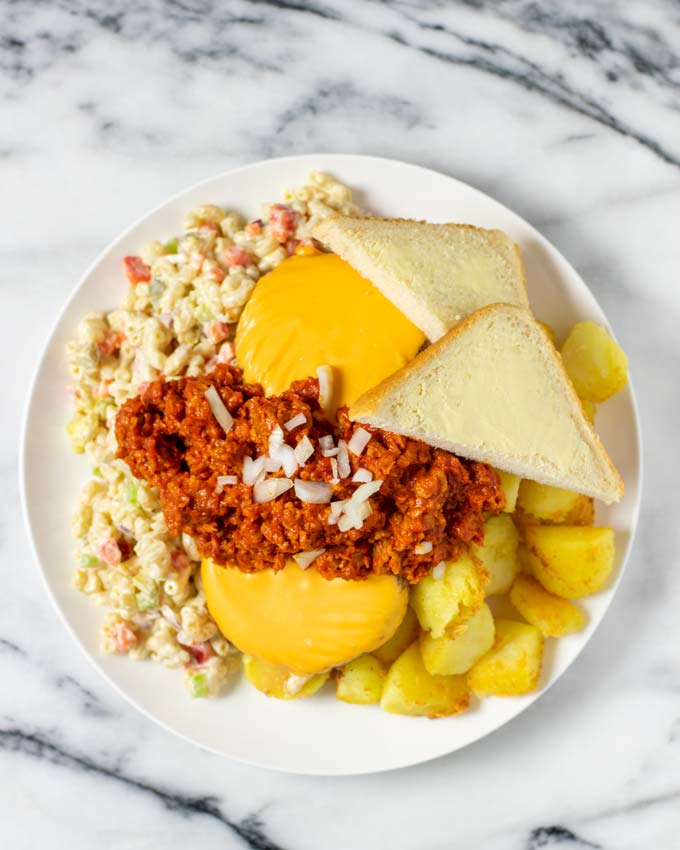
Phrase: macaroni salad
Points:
(177, 319)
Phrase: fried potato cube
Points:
(595, 363)
(442, 603)
(513, 665)
(410, 689)
(361, 681)
(552, 615)
(499, 553)
(406, 633)
(571, 561)
(526, 560)
(545, 503)
(510, 487)
(446, 656)
(279, 682)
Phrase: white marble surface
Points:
(568, 113)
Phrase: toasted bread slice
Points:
(436, 274)
(494, 389)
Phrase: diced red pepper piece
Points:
(291, 246)
(123, 637)
(282, 222)
(216, 331)
(201, 651)
(235, 255)
(217, 274)
(253, 228)
(112, 342)
(136, 270)
(110, 552)
(179, 561)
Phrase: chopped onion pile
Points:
(423, 548)
(358, 441)
(219, 411)
(304, 559)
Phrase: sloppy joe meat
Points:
(169, 436)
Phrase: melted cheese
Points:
(315, 310)
(297, 619)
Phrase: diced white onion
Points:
(358, 441)
(304, 559)
(272, 464)
(226, 480)
(219, 411)
(295, 422)
(253, 470)
(423, 548)
(338, 507)
(365, 491)
(275, 438)
(344, 469)
(284, 457)
(330, 452)
(354, 515)
(439, 570)
(325, 376)
(334, 469)
(304, 450)
(313, 492)
(362, 476)
(270, 489)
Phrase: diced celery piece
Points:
(88, 560)
(198, 686)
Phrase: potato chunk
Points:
(513, 665)
(571, 561)
(442, 603)
(410, 689)
(552, 504)
(446, 656)
(499, 553)
(361, 681)
(595, 363)
(510, 487)
(406, 633)
(279, 682)
(552, 615)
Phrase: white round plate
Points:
(319, 735)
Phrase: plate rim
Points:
(345, 158)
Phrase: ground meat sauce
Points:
(169, 437)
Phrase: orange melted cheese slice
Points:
(315, 310)
(297, 619)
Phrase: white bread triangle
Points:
(436, 274)
(494, 390)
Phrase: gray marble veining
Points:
(568, 113)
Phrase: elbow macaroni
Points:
(147, 579)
